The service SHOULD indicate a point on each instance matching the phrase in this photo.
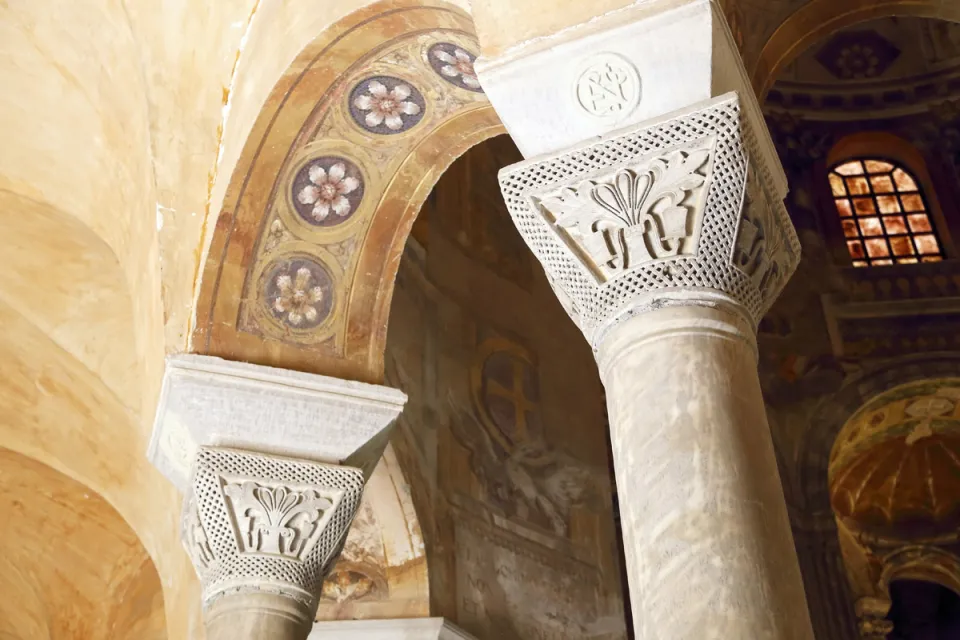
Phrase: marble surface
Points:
(208, 401)
(405, 629)
(707, 540)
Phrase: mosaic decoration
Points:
(455, 65)
(385, 105)
(858, 55)
(327, 190)
(299, 293)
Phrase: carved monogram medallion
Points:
(609, 87)
(644, 212)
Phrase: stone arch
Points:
(834, 411)
(316, 129)
(347, 262)
(820, 18)
(819, 541)
(927, 564)
(71, 393)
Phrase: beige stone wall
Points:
(504, 436)
(101, 584)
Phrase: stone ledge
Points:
(208, 401)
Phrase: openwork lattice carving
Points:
(264, 523)
(684, 181)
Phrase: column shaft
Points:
(257, 616)
(706, 535)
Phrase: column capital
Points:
(255, 523)
(872, 620)
(658, 214)
(272, 464)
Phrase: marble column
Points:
(405, 629)
(272, 465)
(665, 237)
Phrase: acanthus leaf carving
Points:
(195, 539)
(757, 253)
(639, 214)
(276, 520)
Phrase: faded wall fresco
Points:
(504, 436)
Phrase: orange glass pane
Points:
(932, 258)
(882, 263)
(856, 249)
(888, 204)
(870, 227)
(858, 186)
(877, 248)
(844, 208)
(859, 263)
(919, 222)
(913, 202)
(894, 225)
(864, 207)
(849, 228)
(906, 261)
(901, 246)
(878, 166)
(836, 185)
(882, 184)
(852, 168)
(927, 244)
(905, 181)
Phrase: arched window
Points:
(885, 216)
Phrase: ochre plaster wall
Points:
(76, 569)
(504, 436)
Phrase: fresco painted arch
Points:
(304, 252)
(820, 18)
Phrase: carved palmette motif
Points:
(258, 522)
(275, 519)
(759, 250)
(639, 214)
(692, 202)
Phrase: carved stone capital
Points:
(872, 622)
(683, 204)
(266, 524)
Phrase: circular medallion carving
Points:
(299, 292)
(608, 87)
(455, 65)
(327, 190)
(386, 105)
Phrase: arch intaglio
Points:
(473, 319)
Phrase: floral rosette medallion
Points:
(455, 65)
(299, 293)
(327, 190)
(386, 105)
